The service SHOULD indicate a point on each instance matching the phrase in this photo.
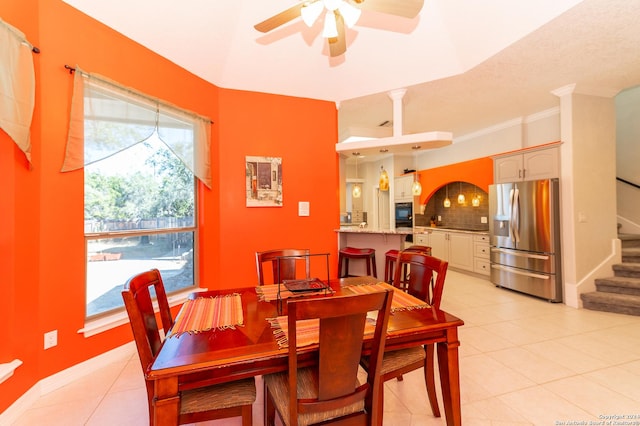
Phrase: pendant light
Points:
(384, 179)
(447, 201)
(461, 198)
(416, 187)
(476, 200)
(356, 192)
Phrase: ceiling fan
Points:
(338, 14)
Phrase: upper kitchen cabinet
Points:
(402, 188)
(532, 164)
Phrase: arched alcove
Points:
(464, 215)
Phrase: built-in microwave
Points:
(404, 215)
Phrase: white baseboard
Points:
(62, 378)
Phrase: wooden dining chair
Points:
(391, 258)
(283, 268)
(425, 282)
(197, 402)
(330, 392)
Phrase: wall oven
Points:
(404, 215)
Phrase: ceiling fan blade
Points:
(338, 45)
(405, 8)
(280, 19)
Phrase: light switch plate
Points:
(303, 208)
(483, 219)
(50, 339)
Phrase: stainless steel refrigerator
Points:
(525, 237)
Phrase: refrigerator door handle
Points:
(516, 215)
(516, 253)
(511, 200)
(520, 272)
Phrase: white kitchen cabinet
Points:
(439, 246)
(402, 188)
(529, 165)
(481, 262)
(464, 251)
(356, 210)
(454, 247)
(421, 240)
(461, 250)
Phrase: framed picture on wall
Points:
(263, 176)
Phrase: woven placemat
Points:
(208, 313)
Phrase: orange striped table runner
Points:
(208, 313)
(307, 331)
(401, 301)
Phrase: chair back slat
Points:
(339, 335)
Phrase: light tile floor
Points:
(523, 361)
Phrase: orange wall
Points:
(478, 172)
(42, 264)
(303, 133)
(19, 228)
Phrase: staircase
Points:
(620, 293)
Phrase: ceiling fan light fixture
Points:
(330, 29)
(350, 13)
(311, 11)
(332, 4)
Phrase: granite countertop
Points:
(367, 230)
(426, 229)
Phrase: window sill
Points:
(102, 324)
(7, 369)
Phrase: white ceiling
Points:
(467, 64)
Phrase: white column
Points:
(396, 96)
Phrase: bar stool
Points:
(347, 253)
(390, 259)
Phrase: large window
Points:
(140, 195)
(139, 214)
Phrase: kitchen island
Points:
(381, 240)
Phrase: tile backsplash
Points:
(458, 216)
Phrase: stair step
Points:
(611, 302)
(619, 285)
(627, 269)
(620, 293)
(629, 240)
(631, 254)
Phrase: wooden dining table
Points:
(251, 349)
